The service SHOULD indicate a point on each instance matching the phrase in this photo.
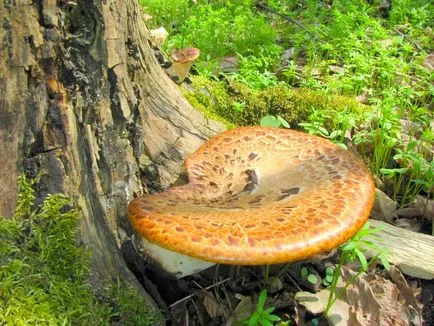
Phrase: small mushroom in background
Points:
(256, 196)
(182, 60)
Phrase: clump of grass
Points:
(44, 274)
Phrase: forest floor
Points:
(359, 73)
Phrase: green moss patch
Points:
(44, 274)
(241, 105)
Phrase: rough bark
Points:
(83, 99)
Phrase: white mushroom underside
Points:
(174, 263)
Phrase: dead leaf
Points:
(158, 36)
(386, 43)
(242, 311)
(408, 294)
(429, 61)
(316, 303)
(274, 284)
(384, 207)
(364, 308)
(370, 300)
(315, 72)
(211, 305)
(146, 17)
(287, 54)
(375, 300)
(408, 224)
(423, 207)
(229, 64)
(337, 69)
(363, 98)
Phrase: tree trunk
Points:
(83, 99)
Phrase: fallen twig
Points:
(188, 297)
(292, 20)
(397, 31)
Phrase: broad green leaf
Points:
(362, 259)
(335, 133)
(273, 318)
(269, 310)
(270, 121)
(283, 122)
(411, 145)
(312, 278)
(265, 322)
(323, 131)
(350, 246)
(304, 272)
(384, 261)
(330, 270)
(261, 300)
(254, 319)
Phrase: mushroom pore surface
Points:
(259, 195)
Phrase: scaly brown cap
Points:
(259, 195)
(185, 55)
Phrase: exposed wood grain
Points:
(412, 252)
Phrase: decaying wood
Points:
(83, 99)
(412, 252)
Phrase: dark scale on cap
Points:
(232, 241)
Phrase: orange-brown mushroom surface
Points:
(185, 55)
(259, 195)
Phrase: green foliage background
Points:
(339, 53)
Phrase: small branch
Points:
(193, 294)
(292, 20)
(397, 31)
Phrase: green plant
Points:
(256, 70)
(315, 128)
(378, 142)
(414, 175)
(328, 278)
(128, 306)
(354, 250)
(274, 121)
(306, 275)
(261, 316)
(167, 13)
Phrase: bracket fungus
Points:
(182, 60)
(259, 195)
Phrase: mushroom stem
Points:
(182, 61)
(179, 70)
(266, 273)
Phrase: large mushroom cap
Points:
(260, 195)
